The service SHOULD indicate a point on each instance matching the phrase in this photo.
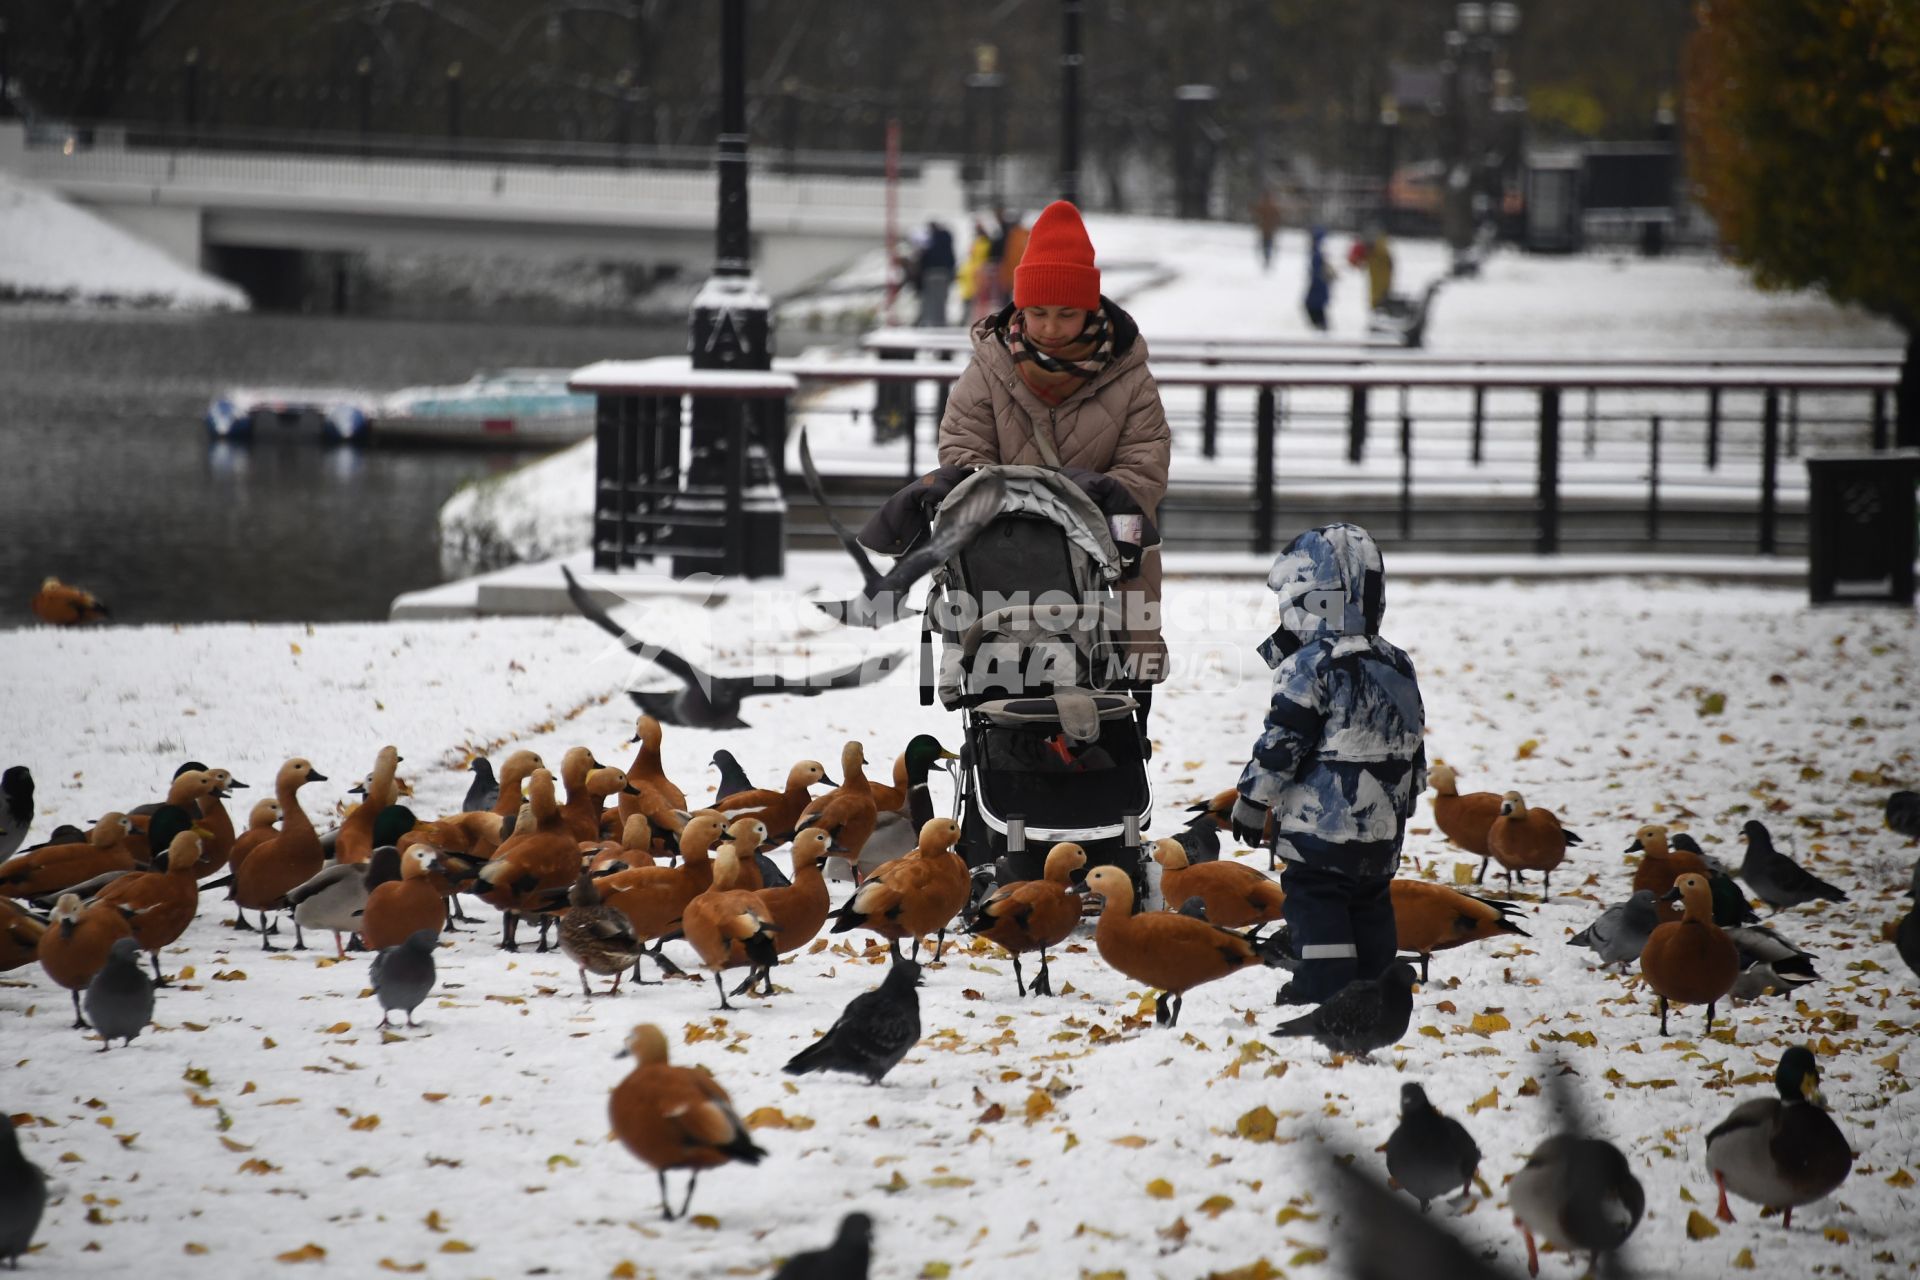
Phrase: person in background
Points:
(1009, 249)
(1379, 258)
(934, 276)
(1266, 220)
(974, 277)
(1319, 280)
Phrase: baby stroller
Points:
(1027, 621)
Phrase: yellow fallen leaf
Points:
(295, 646)
(1485, 1024)
(305, 1253)
(1259, 1269)
(1433, 1032)
(455, 1246)
(1214, 1206)
(257, 1165)
(1160, 1189)
(1889, 1063)
(365, 1123)
(432, 1221)
(1307, 1257)
(774, 1118)
(434, 1097)
(1699, 1226)
(1492, 1099)
(230, 975)
(231, 1145)
(1900, 1178)
(1038, 1105)
(1289, 1213)
(1132, 1140)
(949, 1180)
(1463, 873)
(1743, 1260)
(197, 1075)
(195, 1250)
(1257, 1125)
(624, 1270)
(409, 1268)
(935, 1271)
(1837, 1234)
(705, 1221)
(337, 1029)
(1527, 749)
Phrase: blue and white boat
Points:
(509, 408)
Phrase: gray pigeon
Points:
(403, 975)
(1760, 979)
(1364, 1015)
(1761, 945)
(485, 788)
(1907, 937)
(1384, 1239)
(878, 1028)
(119, 1000)
(1779, 881)
(1621, 931)
(16, 809)
(846, 1258)
(1428, 1154)
(23, 1195)
(1903, 813)
(1577, 1191)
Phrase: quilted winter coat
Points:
(1115, 425)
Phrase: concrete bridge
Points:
(194, 202)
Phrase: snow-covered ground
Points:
(53, 250)
(1200, 280)
(266, 1115)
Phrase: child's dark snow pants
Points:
(1342, 928)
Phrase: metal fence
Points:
(1486, 456)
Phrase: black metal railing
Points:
(1546, 457)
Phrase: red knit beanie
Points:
(1057, 270)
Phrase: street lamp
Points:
(363, 72)
(191, 78)
(453, 101)
(1070, 101)
(983, 99)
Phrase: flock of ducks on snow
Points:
(616, 863)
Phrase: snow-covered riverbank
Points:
(54, 251)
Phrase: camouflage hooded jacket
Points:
(1341, 762)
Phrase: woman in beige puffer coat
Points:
(1059, 379)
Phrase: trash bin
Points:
(1861, 536)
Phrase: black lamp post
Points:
(1070, 11)
(983, 105)
(731, 326)
(1193, 154)
(363, 76)
(453, 102)
(1389, 138)
(190, 88)
(6, 99)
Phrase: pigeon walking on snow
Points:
(119, 1000)
(1619, 933)
(1779, 880)
(23, 1197)
(16, 809)
(1362, 1016)
(878, 1028)
(847, 1258)
(403, 975)
(1907, 936)
(1428, 1154)
(484, 791)
(1577, 1191)
(1903, 813)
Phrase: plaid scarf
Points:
(1055, 377)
